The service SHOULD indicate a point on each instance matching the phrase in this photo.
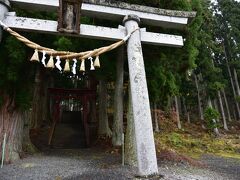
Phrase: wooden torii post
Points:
(131, 15)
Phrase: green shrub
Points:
(175, 140)
(211, 114)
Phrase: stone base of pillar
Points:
(156, 176)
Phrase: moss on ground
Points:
(193, 141)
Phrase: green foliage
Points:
(63, 44)
(210, 115)
(217, 86)
(23, 99)
(175, 140)
(238, 98)
(15, 72)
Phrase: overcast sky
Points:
(215, 0)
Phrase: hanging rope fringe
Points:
(67, 66)
(44, 58)
(65, 54)
(82, 67)
(97, 62)
(50, 63)
(35, 56)
(74, 66)
(58, 66)
(92, 66)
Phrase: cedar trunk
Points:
(227, 106)
(40, 101)
(156, 117)
(11, 123)
(103, 127)
(118, 101)
(236, 81)
(177, 113)
(28, 147)
(222, 111)
(186, 112)
(232, 84)
(199, 98)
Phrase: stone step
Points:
(70, 132)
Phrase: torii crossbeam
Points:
(131, 16)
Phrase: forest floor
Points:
(188, 154)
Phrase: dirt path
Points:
(93, 165)
(224, 166)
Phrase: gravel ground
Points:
(93, 165)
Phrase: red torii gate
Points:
(85, 95)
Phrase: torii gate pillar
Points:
(146, 153)
(4, 8)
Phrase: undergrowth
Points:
(193, 141)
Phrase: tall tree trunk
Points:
(186, 112)
(188, 117)
(39, 102)
(226, 104)
(118, 101)
(103, 127)
(11, 123)
(222, 111)
(180, 110)
(28, 147)
(215, 130)
(237, 84)
(50, 101)
(130, 143)
(215, 104)
(155, 117)
(232, 84)
(236, 81)
(199, 98)
(177, 113)
(45, 101)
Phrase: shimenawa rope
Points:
(66, 54)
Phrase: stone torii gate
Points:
(131, 15)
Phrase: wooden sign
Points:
(69, 16)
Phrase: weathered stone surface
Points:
(5, 2)
(4, 6)
(146, 153)
(114, 3)
(91, 31)
(115, 11)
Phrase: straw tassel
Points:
(50, 63)
(35, 56)
(97, 62)
(82, 67)
(67, 66)
(92, 66)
